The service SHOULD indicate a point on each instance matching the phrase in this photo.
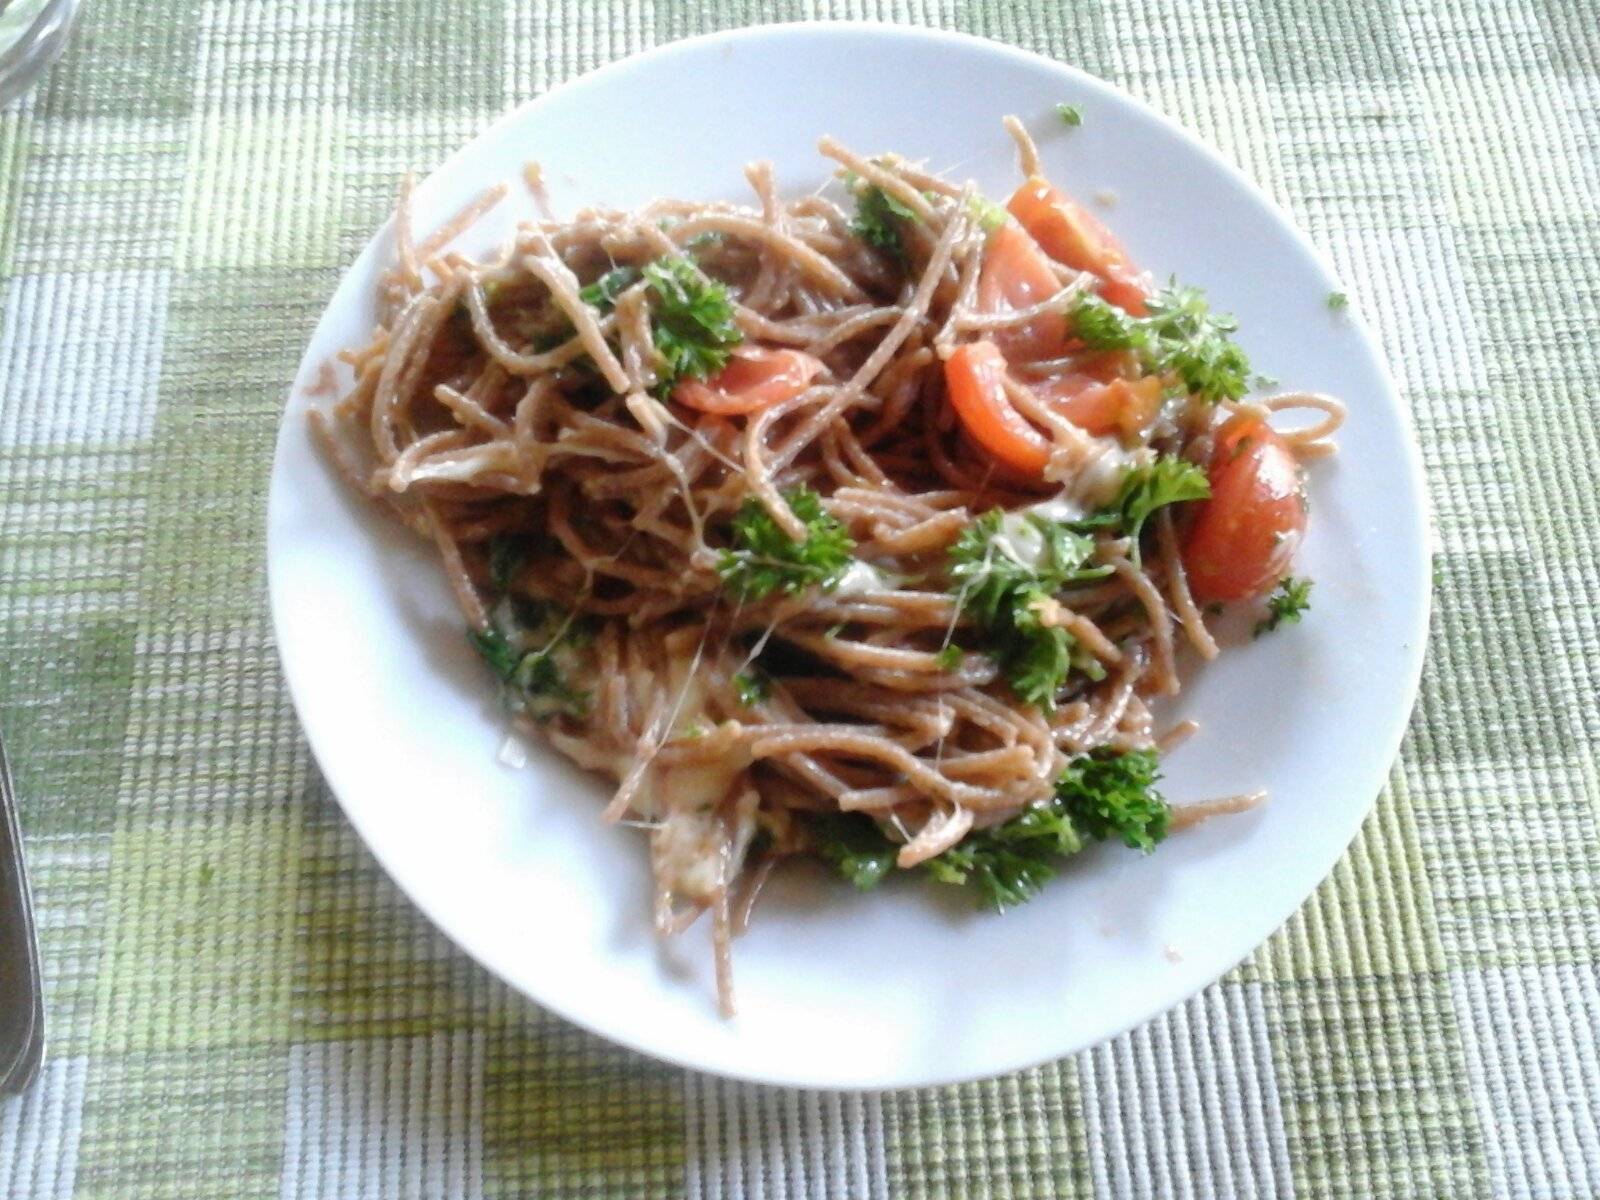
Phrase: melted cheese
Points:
(1099, 480)
(689, 843)
(1058, 508)
(860, 579)
(1020, 540)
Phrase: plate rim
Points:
(1409, 675)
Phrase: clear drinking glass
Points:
(32, 33)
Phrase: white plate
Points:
(907, 986)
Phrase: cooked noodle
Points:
(498, 400)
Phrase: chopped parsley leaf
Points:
(603, 292)
(522, 638)
(752, 687)
(1290, 601)
(506, 555)
(764, 559)
(880, 219)
(692, 318)
(853, 845)
(1036, 657)
(997, 556)
(1180, 336)
(496, 650)
(1004, 570)
(1112, 795)
(1168, 480)
(989, 215)
(1337, 301)
(1070, 114)
(1102, 795)
(1103, 326)
(1008, 864)
(533, 681)
(1197, 344)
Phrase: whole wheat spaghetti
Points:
(866, 525)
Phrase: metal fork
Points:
(21, 996)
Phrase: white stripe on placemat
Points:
(753, 1143)
(80, 353)
(1529, 1035)
(1186, 1107)
(396, 1118)
(39, 1133)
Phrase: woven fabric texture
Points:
(242, 1005)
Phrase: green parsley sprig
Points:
(1179, 335)
(1167, 480)
(603, 292)
(1009, 864)
(853, 845)
(1290, 601)
(1101, 325)
(763, 559)
(989, 215)
(534, 683)
(1112, 795)
(1102, 796)
(1144, 489)
(1003, 570)
(1197, 344)
(880, 219)
(524, 639)
(692, 318)
(752, 686)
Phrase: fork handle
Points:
(21, 997)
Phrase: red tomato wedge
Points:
(1122, 406)
(1017, 274)
(975, 378)
(1245, 535)
(753, 379)
(1070, 234)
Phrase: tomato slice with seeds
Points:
(1245, 536)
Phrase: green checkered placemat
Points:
(242, 1005)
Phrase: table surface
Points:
(241, 1004)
